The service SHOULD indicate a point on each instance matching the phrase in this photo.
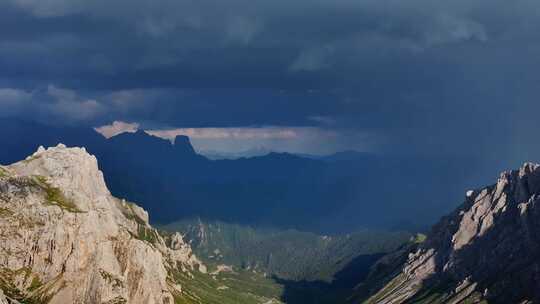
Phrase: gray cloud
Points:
(51, 8)
(67, 104)
(419, 76)
(13, 101)
(313, 59)
(289, 139)
(243, 29)
(172, 30)
(117, 127)
(52, 102)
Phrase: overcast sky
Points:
(417, 76)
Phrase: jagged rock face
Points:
(65, 239)
(486, 251)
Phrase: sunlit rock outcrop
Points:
(65, 239)
(487, 251)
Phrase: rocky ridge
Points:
(487, 251)
(65, 239)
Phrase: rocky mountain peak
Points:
(482, 207)
(486, 250)
(183, 142)
(72, 169)
(65, 239)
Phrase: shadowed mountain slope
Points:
(344, 193)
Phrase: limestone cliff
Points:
(65, 239)
(487, 251)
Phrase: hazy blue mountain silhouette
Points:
(18, 137)
(343, 192)
(349, 155)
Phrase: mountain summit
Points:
(487, 251)
(183, 145)
(65, 239)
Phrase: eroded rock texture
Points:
(65, 239)
(486, 251)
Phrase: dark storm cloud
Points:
(237, 43)
(423, 76)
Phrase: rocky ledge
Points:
(65, 239)
(487, 251)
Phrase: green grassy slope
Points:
(287, 254)
(287, 265)
(227, 288)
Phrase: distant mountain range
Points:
(65, 238)
(219, 155)
(262, 151)
(339, 193)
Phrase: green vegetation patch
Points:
(117, 300)
(28, 296)
(36, 291)
(3, 172)
(229, 288)
(287, 254)
(29, 159)
(130, 214)
(419, 238)
(35, 284)
(144, 233)
(54, 196)
(6, 283)
(4, 212)
(147, 234)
